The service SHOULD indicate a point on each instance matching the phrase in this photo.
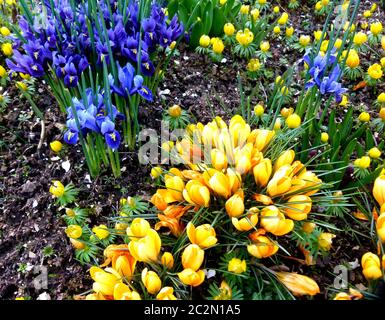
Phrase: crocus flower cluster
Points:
(68, 44)
(324, 78)
(93, 116)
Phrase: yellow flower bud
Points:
(204, 235)
(264, 46)
(156, 172)
(274, 221)
(151, 281)
(138, 229)
(374, 153)
(5, 31)
(167, 260)
(219, 183)
(375, 71)
(276, 9)
(371, 267)
(304, 40)
(105, 280)
(289, 32)
(293, 121)
(383, 42)
(192, 278)
(364, 117)
(74, 231)
(218, 46)
(78, 245)
(308, 227)
(379, 190)
(277, 30)
(192, 257)
(262, 247)
(248, 223)
(175, 185)
(204, 41)
(57, 188)
(262, 172)
(3, 72)
(175, 111)
(229, 29)
(360, 38)
(235, 206)
(101, 231)
(245, 9)
(166, 293)
(324, 137)
(237, 266)
(255, 14)
(325, 240)
(376, 28)
(21, 85)
(283, 19)
(298, 284)
(146, 249)
(56, 146)
(7, 49)
(298, 207)
(353, 60)
(285, 158)
(382, 114)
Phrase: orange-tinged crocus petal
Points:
(175, 185)
(379, 190)
(125, 265)
(262, 247)
(204, 235)
(192, 278)
(123, 292)
(166, 293)
(285, 158)
(196, 193)
(245, 224)
(263, 199)
(138, 229)
(274, 221)
(219, 183)
(192, 257)
(298, 284)
(262, 172)
(342, 296)
(158, 201)
(147, 248)
(175, 211)
(298, 207)
(235, 180)
(174, 224)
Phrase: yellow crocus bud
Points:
(218, 159)
(196, 193)
(325, 240)
(146, 249)
(175, 111)
(124, 265)
(204, 41)
(248, 223)
(166, 293)
(172, 45)
(285, 158)
(289, 32)
(219, 183)
(7, 49)
(237, 266)
(298, 207)
(381, 98)
(245, 9)
(308, 227)
(376, 28)
(56, 146)
(293, 121)
(274, 221)
(101, 231)
(5, 31)
(283, 19)
(298, 284)
(192, 278)
(229, 29)
(342, 296)
(192, 257)
(204, 235)
(167, 260)
(324, 137)
(74, 231)
(375, 71)
(151, 281)
(379, 190)
(105, 280)
(262, 247)
(138, 229)
(304, 40)
(263, 138)
(277, 124)
(175, 185)
(222, 2)
(374, 153)
(280, 183)
(371, 267)
(123, 292)
(57, 189)
(262, 172)
(235, 206)
(380, 226)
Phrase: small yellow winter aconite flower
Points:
(364, 117)
(367, 14)
(382, 61)
(57, 188)
(285, 112)
(293, 121)
(166, 293)
(5, 31)
(172, 45)
(156, 172)
(245, 37)
(101, 231)
(229, 29)
(276, 9)
(264, 46)
(218, 46)
(237, 266)
(318, 35)
(151, 281)
(191, 277)
(381, 97)
(318, 6)
(21, 85)
(298, 284)
(344, 102)
(363, 162)
(289, 32)
(167, 260)
(360, 38)
(374, 153)
(175, 111)
(382, 114)
(277, 30)
(74, 231)
(324, 137)
(255, 14)
(376, 28)
(253, 65)
(7, 49)
(262, 2)
(245, 9)
(371, 266)
(364, 25)
(283, 19)
(304, 40)
(3, 72)
(375, 71)
(259, 110)
(56, 146)
(353, 60)
(308, 227)
(325, 240)
(204, 235)
(338, 43)
(222, 2)
(204, 41)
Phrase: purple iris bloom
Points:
(71, 75)
(110, 134)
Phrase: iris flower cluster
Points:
(93, 116)
(69, 44)
(326, 81)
